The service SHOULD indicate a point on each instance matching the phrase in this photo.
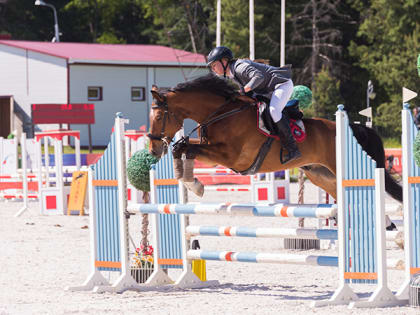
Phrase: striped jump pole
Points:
(290, 233)
(276, 258)
(278, 210)
(243, 231)
(321, 211)
(251, 257)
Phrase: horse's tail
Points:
(373, 146)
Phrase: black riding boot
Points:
(287, 139)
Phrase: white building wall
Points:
(13, 74)
(169, 77)
(47, 79)
(32, 78)
(116, 83)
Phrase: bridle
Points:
(163, 105)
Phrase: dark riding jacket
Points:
(261, 78)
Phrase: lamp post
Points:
(218, 23)
(251, 30)
(282, 32)
(57, 32)
(370, 95)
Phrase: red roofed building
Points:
(116, 78)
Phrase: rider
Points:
(274, 83)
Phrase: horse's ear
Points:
(156, 95)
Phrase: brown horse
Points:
(234, 141)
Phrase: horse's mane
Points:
(209, 83)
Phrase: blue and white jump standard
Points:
(108, 223)
(411, 197)
(361, 222)
(360, 212)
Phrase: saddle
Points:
(267, 126)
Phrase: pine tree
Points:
(387, 47)
(326, 95)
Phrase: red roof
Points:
(109, 53)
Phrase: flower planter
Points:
(141, 274)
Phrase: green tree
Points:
(320, 34)
(317, 32)
(326, 95)
(24, 21)
(181, 24)
(235, 27)
(109, 21)
(387, 46)
(105, 21)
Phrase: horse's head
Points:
(164, 122)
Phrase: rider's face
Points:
(217, 67)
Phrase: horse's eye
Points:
(159, 116)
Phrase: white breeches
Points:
(280, 98)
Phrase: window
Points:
(137, 93)
(95, 93)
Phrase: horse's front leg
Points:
(177, 152)
(203, 151)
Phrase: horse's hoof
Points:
(391, 227)
(399, 240)
(196, 187)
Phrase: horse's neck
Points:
(198, 107)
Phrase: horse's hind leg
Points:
(322, 177)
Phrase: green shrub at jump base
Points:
(138, 167)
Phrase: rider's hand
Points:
(247, 89)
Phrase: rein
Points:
(211, 120)
(214, 117)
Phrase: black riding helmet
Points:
(217, 54)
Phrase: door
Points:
(5, 115)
